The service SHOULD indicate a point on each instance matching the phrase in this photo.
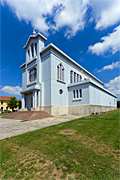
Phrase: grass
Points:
(86, 148)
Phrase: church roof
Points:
(34, 36)
(55, 48)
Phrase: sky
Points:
(87, 30)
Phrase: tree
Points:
(19, 104)
(12, 103)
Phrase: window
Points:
(36, 49)
(32, 74)
(74, 77)
(80, 92)
(77, 94)
(71, 76)
(1, 102)
(32, 49)
(29, 53)
(78, 77)
(74, 94)
(60, 72)
(60, 91)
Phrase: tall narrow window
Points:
(36, 49)
(80, 92)
(28, 53)
(74, 94)
(80, 77)
(60, 72)
(77, 77)
(71, 76)
(74, 77)
(32, 50)
(77, 94)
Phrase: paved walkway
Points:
(11, 127)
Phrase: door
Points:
(29, 101)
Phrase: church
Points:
(54, 82)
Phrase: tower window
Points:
(36, 49)
(32, 74)
(28, 53)
(32, 49)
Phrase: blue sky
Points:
(81, 30)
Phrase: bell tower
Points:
(34, 45)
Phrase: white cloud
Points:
(72, 15)
(13, 90)
(106, 13)
(114, 85)
(111, 42)
(34, 11)
(114, 65)
(68, 13)
(65, 13)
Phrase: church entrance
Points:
(29, 101)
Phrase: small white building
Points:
(54, 82)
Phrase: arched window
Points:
(60, 72)
(33, 74)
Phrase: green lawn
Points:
(86, 148)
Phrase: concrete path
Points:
(11, 127)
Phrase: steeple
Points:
(34, 45)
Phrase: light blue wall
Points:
(24, 79)
(100, 97)
(46, 80)
(85, 95)
(56, 97)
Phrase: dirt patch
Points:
(68, 132)
(99, 148)
(27, 115)
(30, 165)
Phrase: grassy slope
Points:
(86, 148)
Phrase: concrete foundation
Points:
(75, 110)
